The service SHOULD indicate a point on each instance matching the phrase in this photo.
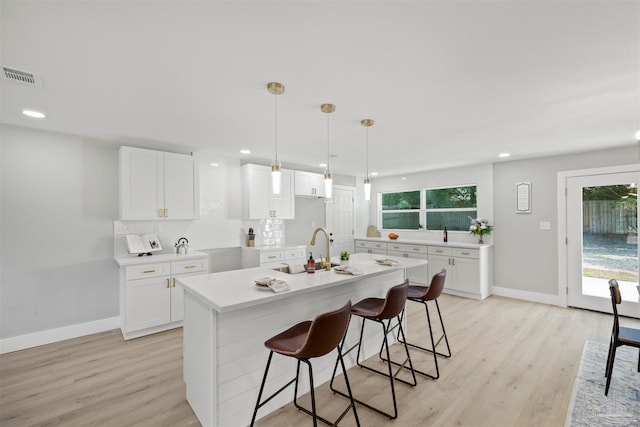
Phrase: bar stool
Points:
(423, 294)
(305, 341)
(379, 310)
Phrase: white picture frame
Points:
(523, 197)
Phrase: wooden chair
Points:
(619, 335)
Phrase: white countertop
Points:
(233, 290)
(423, 242)
(158, 257)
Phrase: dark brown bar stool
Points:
(379, 310)
(305, 341)
(423, 294)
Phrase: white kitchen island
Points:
(227, 319)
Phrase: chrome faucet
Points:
(326, 263)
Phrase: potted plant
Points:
(344, 258)
(479, 227)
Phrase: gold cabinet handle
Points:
(166, 212)
(149, 271)
(168, 285)
(174, 282)
(464, 253)
(416, 249)
(189, 266)
(160, 213)
(453, 261)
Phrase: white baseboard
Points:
(35, 339)
(528, 296)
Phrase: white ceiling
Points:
(447, 83)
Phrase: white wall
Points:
(59, 200)
(525, 257)
(59, 206)
(480, 175)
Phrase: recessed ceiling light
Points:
(323, 165)
(34, 114)
(638, 135)
(215, 165)
(404, 178)
(245, 151)
(374, 173)
(504, 155)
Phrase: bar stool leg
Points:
(264, 380)
(434, 344)
(385, 330)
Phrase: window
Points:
(401, 210)
(450, 207)
(441, 207)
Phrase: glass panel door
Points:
(602, 243)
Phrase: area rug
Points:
(589, 406)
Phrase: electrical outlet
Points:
(156, 228)
(313, 224)
(545, 225)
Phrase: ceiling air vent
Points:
(22, 77)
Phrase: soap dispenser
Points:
(311, 264)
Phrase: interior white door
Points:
(602, 220)
(339, 214)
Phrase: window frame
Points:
(422, 215)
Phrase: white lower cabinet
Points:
(270, 257)
(150, 299)
(369, 247)
(469, 271)
(416, 276)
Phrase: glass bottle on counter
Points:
(311, 264)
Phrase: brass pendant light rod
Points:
(275, 89)
(328, 109)
(367, 123)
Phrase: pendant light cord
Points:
(367, 151)
(275, 97)
(328, 167)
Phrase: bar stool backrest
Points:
(325, 333)
(395, 301)
(616, 298)
(436, 286)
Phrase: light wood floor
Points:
(513, 364)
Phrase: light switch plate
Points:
(545, 225)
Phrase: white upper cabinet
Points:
(157, 185)
(258, 202)
(309, 184)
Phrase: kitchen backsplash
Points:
(268, 231)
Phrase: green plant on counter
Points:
(344, 256)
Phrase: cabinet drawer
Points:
(295, 253)
(371, 245)
(416, 249)
(189, 266)
(397, 247)
(144, 271)
(271, 256)
(438, 250)
(465, 253)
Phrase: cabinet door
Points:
(148, 303)
(418, 275)
(467, 275)
(141, 184)
(436, 264)
(283, 204)
(256, 192)
(181, 189)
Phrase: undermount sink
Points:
(319, 267)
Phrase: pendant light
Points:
(328, 178)
(276, 89)
(367, 123)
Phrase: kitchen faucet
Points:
(327, 262)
